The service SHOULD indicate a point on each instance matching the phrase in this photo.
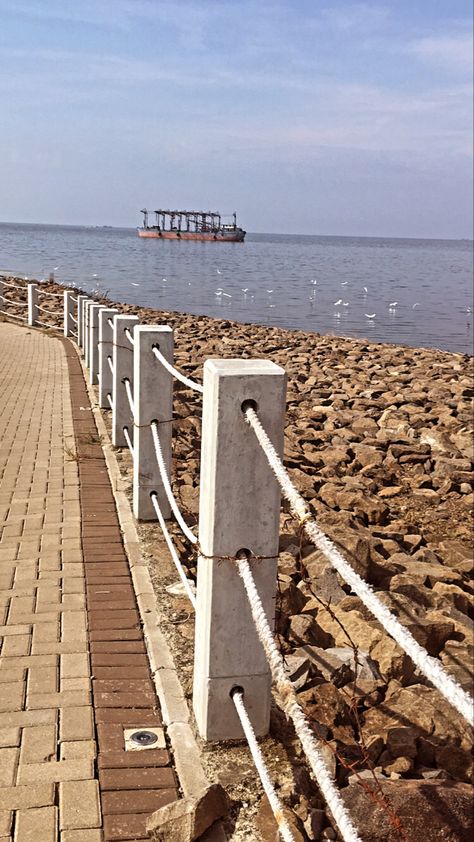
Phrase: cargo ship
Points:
(191, 225)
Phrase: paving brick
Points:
(78, 749)
(42, 679)
(58, 700)
(115, 634)
(26, 797)
(24, 718)
(56, 770)
(8, 764)
(76, 723)
(12, 696)
(148, 778)
(6, 819)
(124, 685)
(38, 744)
(133, 801)
(131, 759)
(124, 700)
(125, 827)
(39, 823)
(129, 717)
(74, 666)
(68, 684)
(126, 647)
(126, 673)
(10, 736)
(83, 835)
(79, 805)
(16, 646)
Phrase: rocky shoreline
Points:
(379, 440)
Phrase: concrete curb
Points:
(174, 708)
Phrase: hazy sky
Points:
(311, 116)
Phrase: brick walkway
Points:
(69, 621)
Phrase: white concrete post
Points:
(87, 307)
(94, 311)
(153, 397)
(123, 370)
(81, 300)
(105, 355)
(69, 303)
(2, 306)
(239, 509)
(32, 304)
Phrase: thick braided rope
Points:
(128, 389)
(292, 708)
(129, 442)
(174, 371)
(174, 554)
(429, 666)
(257, 757)
(167, 487)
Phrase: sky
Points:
(304, 116)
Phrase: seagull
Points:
(417, 304)
(313, 282)
(345, 304)
(344, 283)
(218, 292)
(339, 301)
(393, 304)
(365, 289)
(164, 280)
(218, 271)
(56, 267)
(245, 290)
(226, 294)
(269, 290)
(135, 285)
(371, 315)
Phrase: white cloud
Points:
(450, 51)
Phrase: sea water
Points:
(406, 291)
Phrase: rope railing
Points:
(111, 403)
(237, 697)
(13, 286)
(128, 440)
(51, 294)
(46, 324)
(167, 487)
(45, 310)
(110, 363)
(292, 707)
(15, 316)
(128, 389)
(129, 336)
(191, 384)
(174, 555)
(73, 319)
(14, 303)
(429, 666)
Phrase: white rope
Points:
(13, 316)
(12, 286)
(429, 666)
(45, 324)
(45, 310)
(128, 390)
(111, 365)
(174, 555)
(257, 756)
(187, 382)
(292, 708)
(73, 319)
(15, 303)
(52, 294)
(167, 487)
(110, 322)
(129, 336)
(73, 333)
(109, 398)
(129, 443)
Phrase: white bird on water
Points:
(393, 304)
(245, 290)
(269, 290)
(339, 301)
(135, 285)
(416, 304)
(371, 315)
(344, 283)
(218, 292)
(345, 304)
(218, 271)
(226, 294)
(165, 281)
(365, 289)
(313, 282)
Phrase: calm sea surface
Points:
(330, 285)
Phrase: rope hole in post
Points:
(243, 553)
(249, 404)
(236, 689)
(155, 345)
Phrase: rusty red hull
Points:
(236, 236)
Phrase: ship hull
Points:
(236, 236)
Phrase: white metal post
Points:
(69, 302)
(87, 307)
(81, 300)
(94, 311)
(238, 510)
(106, 314)
(153, 397)
(122, 357)
(32, 304)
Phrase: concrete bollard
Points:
(2, 305)
(87, 307)
(105, 351)
(69, 302)
(94, 311)
(32, 304)
(153, 394)
(81, 299)
(123, 370)
(238, 510)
